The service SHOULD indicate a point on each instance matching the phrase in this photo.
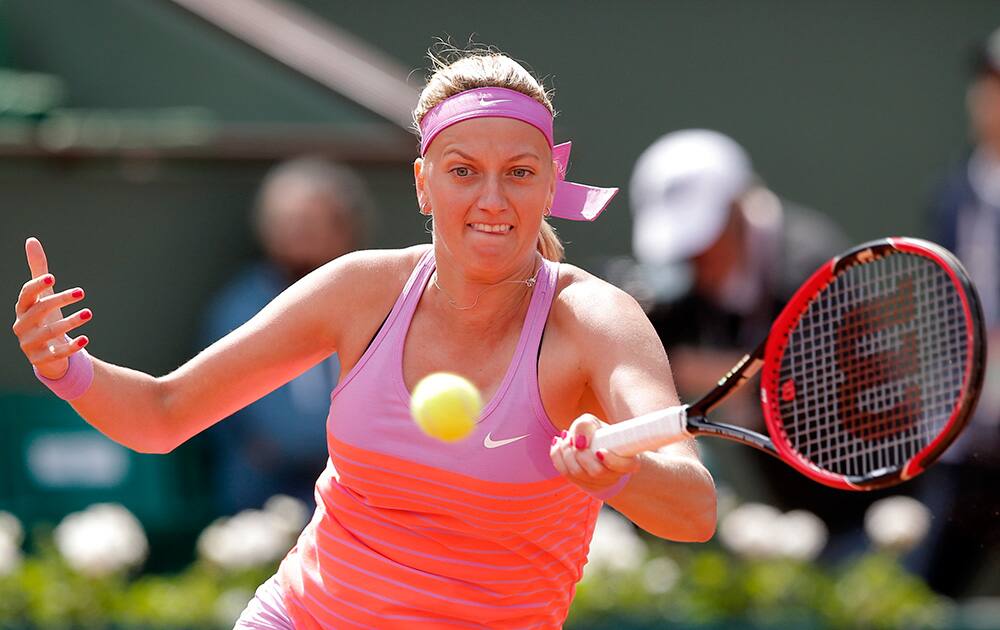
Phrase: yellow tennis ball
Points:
(445, 406)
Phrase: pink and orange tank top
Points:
(410, 532)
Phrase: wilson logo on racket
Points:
(869, 372)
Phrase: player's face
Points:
(487, 182)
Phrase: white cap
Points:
(681, 193)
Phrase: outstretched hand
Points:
(39, 325)
(593, 471)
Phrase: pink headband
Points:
(577, 202)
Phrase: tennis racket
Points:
(870, 371)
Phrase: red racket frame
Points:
(777, 342)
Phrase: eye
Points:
(461, 171)
(521, 173)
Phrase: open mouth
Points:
(490, 228)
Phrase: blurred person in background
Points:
(719, 255)
(721, 251)
(308, 212)
(963, 491)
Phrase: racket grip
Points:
(644, 433)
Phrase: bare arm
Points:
(281, 342)
(670, 494)
(297, 330)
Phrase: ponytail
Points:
(549, 245)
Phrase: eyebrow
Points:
(519, 156)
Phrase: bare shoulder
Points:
(367, 273)
(601, 339)
(587, 305)
(373, 262)
(355, 292)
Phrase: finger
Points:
(566, 452)
(588, 461)
(43, 307)
(35, 253)
(57, 351)
(31, 290)
(581, 437)
(45, 333)
(616, 463)
(586, 425)
(556, 456)
(581, 432)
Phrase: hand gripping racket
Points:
(870, 371)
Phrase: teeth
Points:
(496, 229)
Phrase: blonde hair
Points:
(456, 71)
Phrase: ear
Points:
(418, 181)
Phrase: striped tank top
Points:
(410, 532)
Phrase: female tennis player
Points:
(410, 532)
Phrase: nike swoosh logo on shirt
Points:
(489, 442)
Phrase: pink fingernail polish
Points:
(600, 456)
(85, 315)
(581, 442)
(82, 341)
(563, 434)
(554, 440)
(78, 293)
(48, 280)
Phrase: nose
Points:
(491, 196)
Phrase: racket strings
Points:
(874, 366)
